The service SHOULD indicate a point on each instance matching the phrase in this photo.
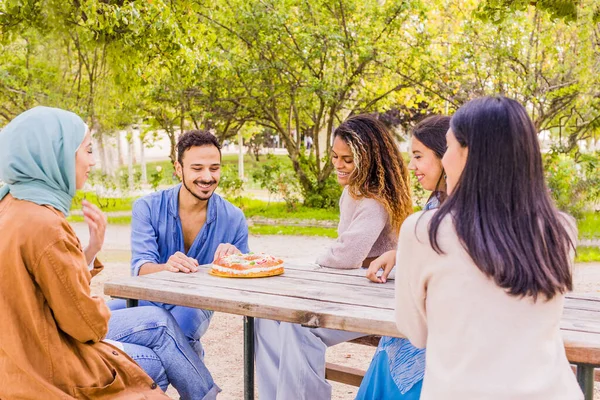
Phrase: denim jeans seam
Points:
(172, 336)
(142, 357)
(139, 328)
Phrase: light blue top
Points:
(406, 363)
(156, 232)
(37, 156)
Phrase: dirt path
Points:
(224, 340)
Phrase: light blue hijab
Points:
(37, 156)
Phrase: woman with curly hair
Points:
(374, 203)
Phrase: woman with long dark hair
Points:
(483, 278)
(428, 145)
(397, 369)
(375, 201)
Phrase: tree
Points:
(300, 68)
(548, 65)
(296, 67)
(498, 10)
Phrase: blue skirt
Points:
(379, 385)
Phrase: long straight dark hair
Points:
(432, 133)
(500, 206)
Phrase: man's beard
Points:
(199, 181)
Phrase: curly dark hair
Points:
(195, 138)
(380, 171)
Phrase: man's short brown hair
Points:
(195, 138)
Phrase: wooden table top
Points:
(322, 297)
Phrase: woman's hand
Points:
(386, 261)
(96, 221)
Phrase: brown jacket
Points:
(51, 326)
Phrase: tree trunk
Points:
(143, 162)
(240, 156)
(119, 150)
(130, 160)
(105, 167)
(173, 153)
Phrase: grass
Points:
(252, 207)
(106, 204)
(588, 254)
(589, 225)
(121, 220)
(292, 230)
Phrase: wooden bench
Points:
(347, 375)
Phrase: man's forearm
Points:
(151, 268)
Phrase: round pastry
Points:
(251, 265)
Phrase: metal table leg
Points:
(585, 377)
(248, 358)
(132, 303)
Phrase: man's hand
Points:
(96, 221)
(386, 261)
(226, 249)
(179, 262)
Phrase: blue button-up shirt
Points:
(156, 232)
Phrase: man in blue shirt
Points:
(188, 225)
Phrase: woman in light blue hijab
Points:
(45, 156)
(37, 156)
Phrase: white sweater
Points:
(364, 231)
(481, 342)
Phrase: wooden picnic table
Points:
(338, 299)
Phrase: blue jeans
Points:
(152, 338)
(193, 322)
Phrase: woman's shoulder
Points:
(40, 223)
(360, 201)
(416, 226)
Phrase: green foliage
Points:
(589, 225)
(573, 185)
(298, 68)
(230, 184)
(587, 254)
(277, 210)
(122, 220)
(419, 195)
(498, 10)
(327, 196)
(106, 204)
(278, 179)
(156, 177)
(292, 230)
